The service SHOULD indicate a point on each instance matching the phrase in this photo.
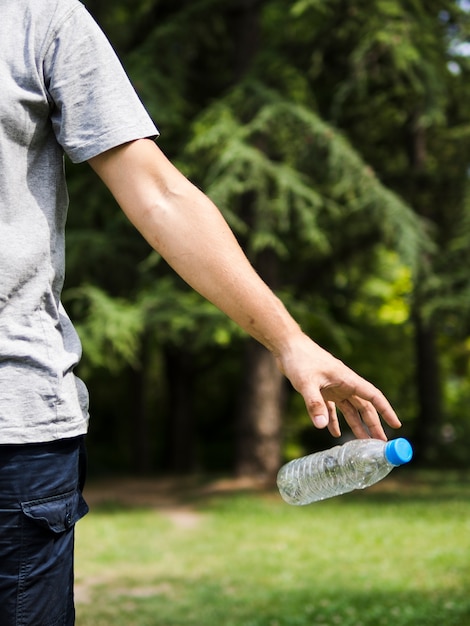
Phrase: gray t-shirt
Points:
(62, 90)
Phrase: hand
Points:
(326, 383)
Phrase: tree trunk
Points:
(428, 376)
(180, 449)
(244, 16)
(429, 390)
(259, 418)
(141, 449)
(258, 444)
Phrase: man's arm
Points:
(185, 227)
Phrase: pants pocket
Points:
(56, 513)
(45, 586)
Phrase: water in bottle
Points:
(354, 465)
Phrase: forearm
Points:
(184, 226)
(200, 247)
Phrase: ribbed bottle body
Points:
(354, 465)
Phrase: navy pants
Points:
(40, 502)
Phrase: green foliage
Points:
(109, 327)
(333, 135)
(385, 298)
(302, 177)
(393, 77)
(181, 317)
(448, 293)
(112, 329)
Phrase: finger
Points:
(333, 424)
(381, 405)
(353, 418)
(370, 418)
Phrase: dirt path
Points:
(164, 492)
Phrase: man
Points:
(63, 90)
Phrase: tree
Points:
(280, 206)
(314, 126)
(399, 97)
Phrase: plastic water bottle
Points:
(354, 465)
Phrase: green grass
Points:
(397, 554)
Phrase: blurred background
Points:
(335, 138)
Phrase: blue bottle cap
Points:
(398, 451)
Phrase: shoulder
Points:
(35, 20)
(41, 10)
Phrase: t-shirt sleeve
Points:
(94, 106)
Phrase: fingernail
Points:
(320, 421)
